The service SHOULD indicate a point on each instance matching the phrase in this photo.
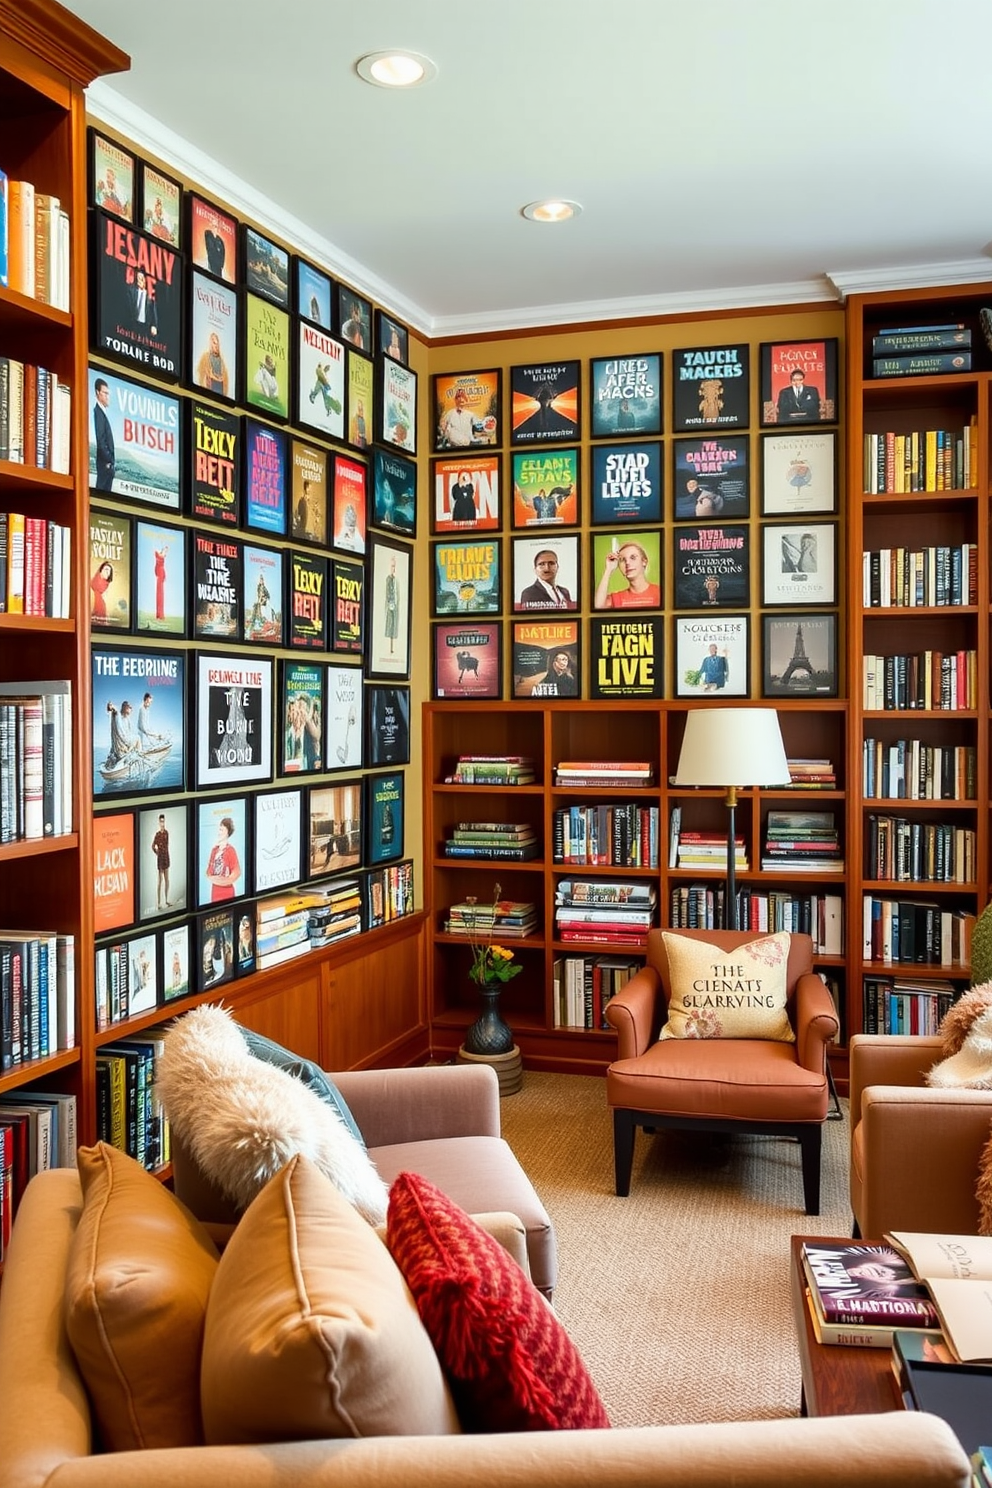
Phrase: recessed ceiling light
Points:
(551, 211)
(395, 69)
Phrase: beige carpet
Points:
(678, 1296)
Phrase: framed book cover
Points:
(215, 936)
(266, 267)
(466, 577)
(390, 597)
(627, 570)
(218, 586)
(214, 453)
(799, 382)
(466, 409)
(135, 441)
(384, 801)
(114, 891)
(349, 505)
(302, 693)
(142, 956)
(712, 567)
(393, 504)
(137, 287)
(626, 483)
(222, 849)
(307, 598)
(266, 357)
(544, 400)
(391, 338)
(547, 659)
(112, 173)
(712, 387)
(110, 572)
(212, 238)
(347, 613)
(800, 563)
(625, 395)
(712, 656)
(468, 660)
(234, 719)
(245, 949)
(214, 337)
(799, 472)
(466, 494)
(345, 699)
(545, 572)
(161, 204)
(396, 406)
(313, 293)
(387, 726)
(309, 492)
(163, 860)
(320, 389)
(626, 657)
(159, 579)
(262, 595)
(334, 827)
(277, 841)
(265, 474)
(545, 488)
(711, 477)
(138, 701)
(174, 971)
(799, 655)
(354, 320)
(359, 398)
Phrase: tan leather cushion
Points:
(136, 1290)
(311, 1331)
(714, 993)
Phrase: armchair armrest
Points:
(426, 1103)
(636, 1013)
(888, 1059)
(816, 1021)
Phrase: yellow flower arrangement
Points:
(490, 963)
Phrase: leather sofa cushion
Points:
(714, 993)
(721, 1079)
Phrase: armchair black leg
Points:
(623, 1150)
(810, 1141)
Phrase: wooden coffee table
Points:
(837, 1380)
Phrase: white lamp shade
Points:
(732, 746)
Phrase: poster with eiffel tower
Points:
(799, 655)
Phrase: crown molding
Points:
(911, 276)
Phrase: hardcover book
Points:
(215, 464)
(712, 387)
(712, 567)
(921, 366)
(855, 1285)
(217, 587)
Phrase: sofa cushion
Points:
(136, 1288)
(311, 1331)
(241, 1119)
(510, 1363)
(716, 993)
(310, 1074)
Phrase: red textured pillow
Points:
(510, 1364)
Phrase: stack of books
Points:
(605, 912)
(858, 1294)
(802, 841)
(282, 922)
(507, 919)
(492, 769)
(478, 839)
(708, 850)
(339, 917)
(812, 774)
(622, 773)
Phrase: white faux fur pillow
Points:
(242, 1119)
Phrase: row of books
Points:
(944, 681)
(912, 930)
(605, 773)
(624, 835)
(896, 578)
(34, 242)
(35, 416)
(904, 851)
(583, 986)
(35, 760)
(923, 460)
(819, 915)
(502, 919)
(517, 841)
(910, 770)
(388, 893)
(694, 849)
(129, 1114)
(605, 912)
(37, 995)
(492, 769)
(893, 1006)
(35, 566)
(37, 1132)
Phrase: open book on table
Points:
(957, 1272)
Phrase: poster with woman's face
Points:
(221, 850)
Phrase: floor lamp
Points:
(731, 748)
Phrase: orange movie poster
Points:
(113, 871)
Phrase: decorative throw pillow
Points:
(136, 1290)
(971, 1067)
(241, 1119)
(509, 1361)
(311, 1331)
(739, 994)
(983, 1190)
(956, 1022)
(304, 1070)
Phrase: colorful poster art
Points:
(213, 340)
(711, 656)
(626, 483)
(163, 860)
(466, 409)
(360, 396)
(278, 843)
(466, 494)
(111, 176)
(159, 579)
(110, 571)
(306, 605)
(397, 410)
(712, 567)
(546, 659)
(113, 871)
(545, 402)
(546, 572)
(266, 477)
(626, 657)
(309, 495)
(215, 464)
(627, 570)
(161, 199)
(347, 605)
(313, 293)
(546, 488)
(384, 817)
(468, 660)
(234, 719)
(301, 721)
(798, 383)
(320, 368)
(467, 577)
(217, 587)
(799, 655)
(213, 239)
(266, 374)
(799, 472)
(138, 701)
(348, 531)
(711, 477)
(262, 598)
(139, 299)
(625, 395)
(266, 267)
(335, 827)
(221, 849)
(394, 493)
(712, 386)
(135, 441)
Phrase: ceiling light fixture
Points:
(551, 211)
(395, 69)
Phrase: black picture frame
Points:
(467, 494)
(263, 595)
(111, 548)
(349, 505)
(387, 725)
(137, 289)
(626, 395)
(136, 441)
(141, 953)
(309, 492)
(213, 338)
(711, 477)
(547, 659)
(277, 839)
(533, 576)
(354, 318)
(113, 193)
(712, 387)
(124, 675)
(320, 381)
(347, 607)
(626, 656)
(159, 588)
(467, 576)
(217, 583)
(799, 655)
(175, 979)
(161, 204)
(711, 567)
(265, 475)
(359, 398)
(799, 563)
(313, 293)
(624, 581)
(163, 865)
(799, 472)
(724, 637)
(213, 458)
(222, 829)
(334, 827)
(384, 817)
(392, 339)
(389, 609)
(545, 402)
(233, 719)
(395, 422)
(266, 360)
(468, 659)
(627, 483)
(215, 953)
(246, 944)
(815, 401)
(211, 238)
(114, 871)
(266, 264)
(466, 410)
(308, 584)
(393, 493)
(547, 487)
(344, 712)
(301, 718)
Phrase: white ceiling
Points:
(725, 152)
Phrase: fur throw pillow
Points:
(961, 1015)
(983, 1190)
(242, 1119)
(971, 1067)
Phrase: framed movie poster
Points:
(213, 341)
(138, 701)
(334, 817)
(396, 406)
(350, 501)
(546, 572)
(174, 973)
(261, 595)
(308, 493)
(466, 494)
(347, 614)
(546, 488)
(113, 871)
(711, 477)
(391, 338)
(142, 973)
(800, 564)
(360, 397)
(466, 409)
(308, 584)
(301, 717)
(246, 949)
(798, 383)
(137, 285)
(544, 402)
(320, 391)
(112, 175)
(799, 472)
(394, 493)
(547, 659)
(266, 267)
(161, 203)
(214, 453)
(712, 656)
(799, 655)
(266, 357)
(626, 483)
(712, 386)
(314, 293)
(384, 817)
(626, 657)
(277, 841)
(163, 860)
(218, 586)
(265, 469)
(213, 238)
(468, 659)
(234, 719)
(355, 318)
(712, 567)
(627, 570)
(466, 577)
(388, 620)
(159, 579)
(344, 718)
(215, 937)
(387, 722)
(135, 441)
(625, 395)
(110, 572)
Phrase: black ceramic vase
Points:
(489, 1034)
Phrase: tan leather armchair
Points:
(721, 1084)
(914, 1150)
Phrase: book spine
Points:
(898, 343)
(922, 366)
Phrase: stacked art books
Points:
(605, 912)
(506, 919)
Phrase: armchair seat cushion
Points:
(722, 1079)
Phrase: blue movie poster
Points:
(134, 440)
(626, 483)
(266, 477)
(625, 395)
(138, 701)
